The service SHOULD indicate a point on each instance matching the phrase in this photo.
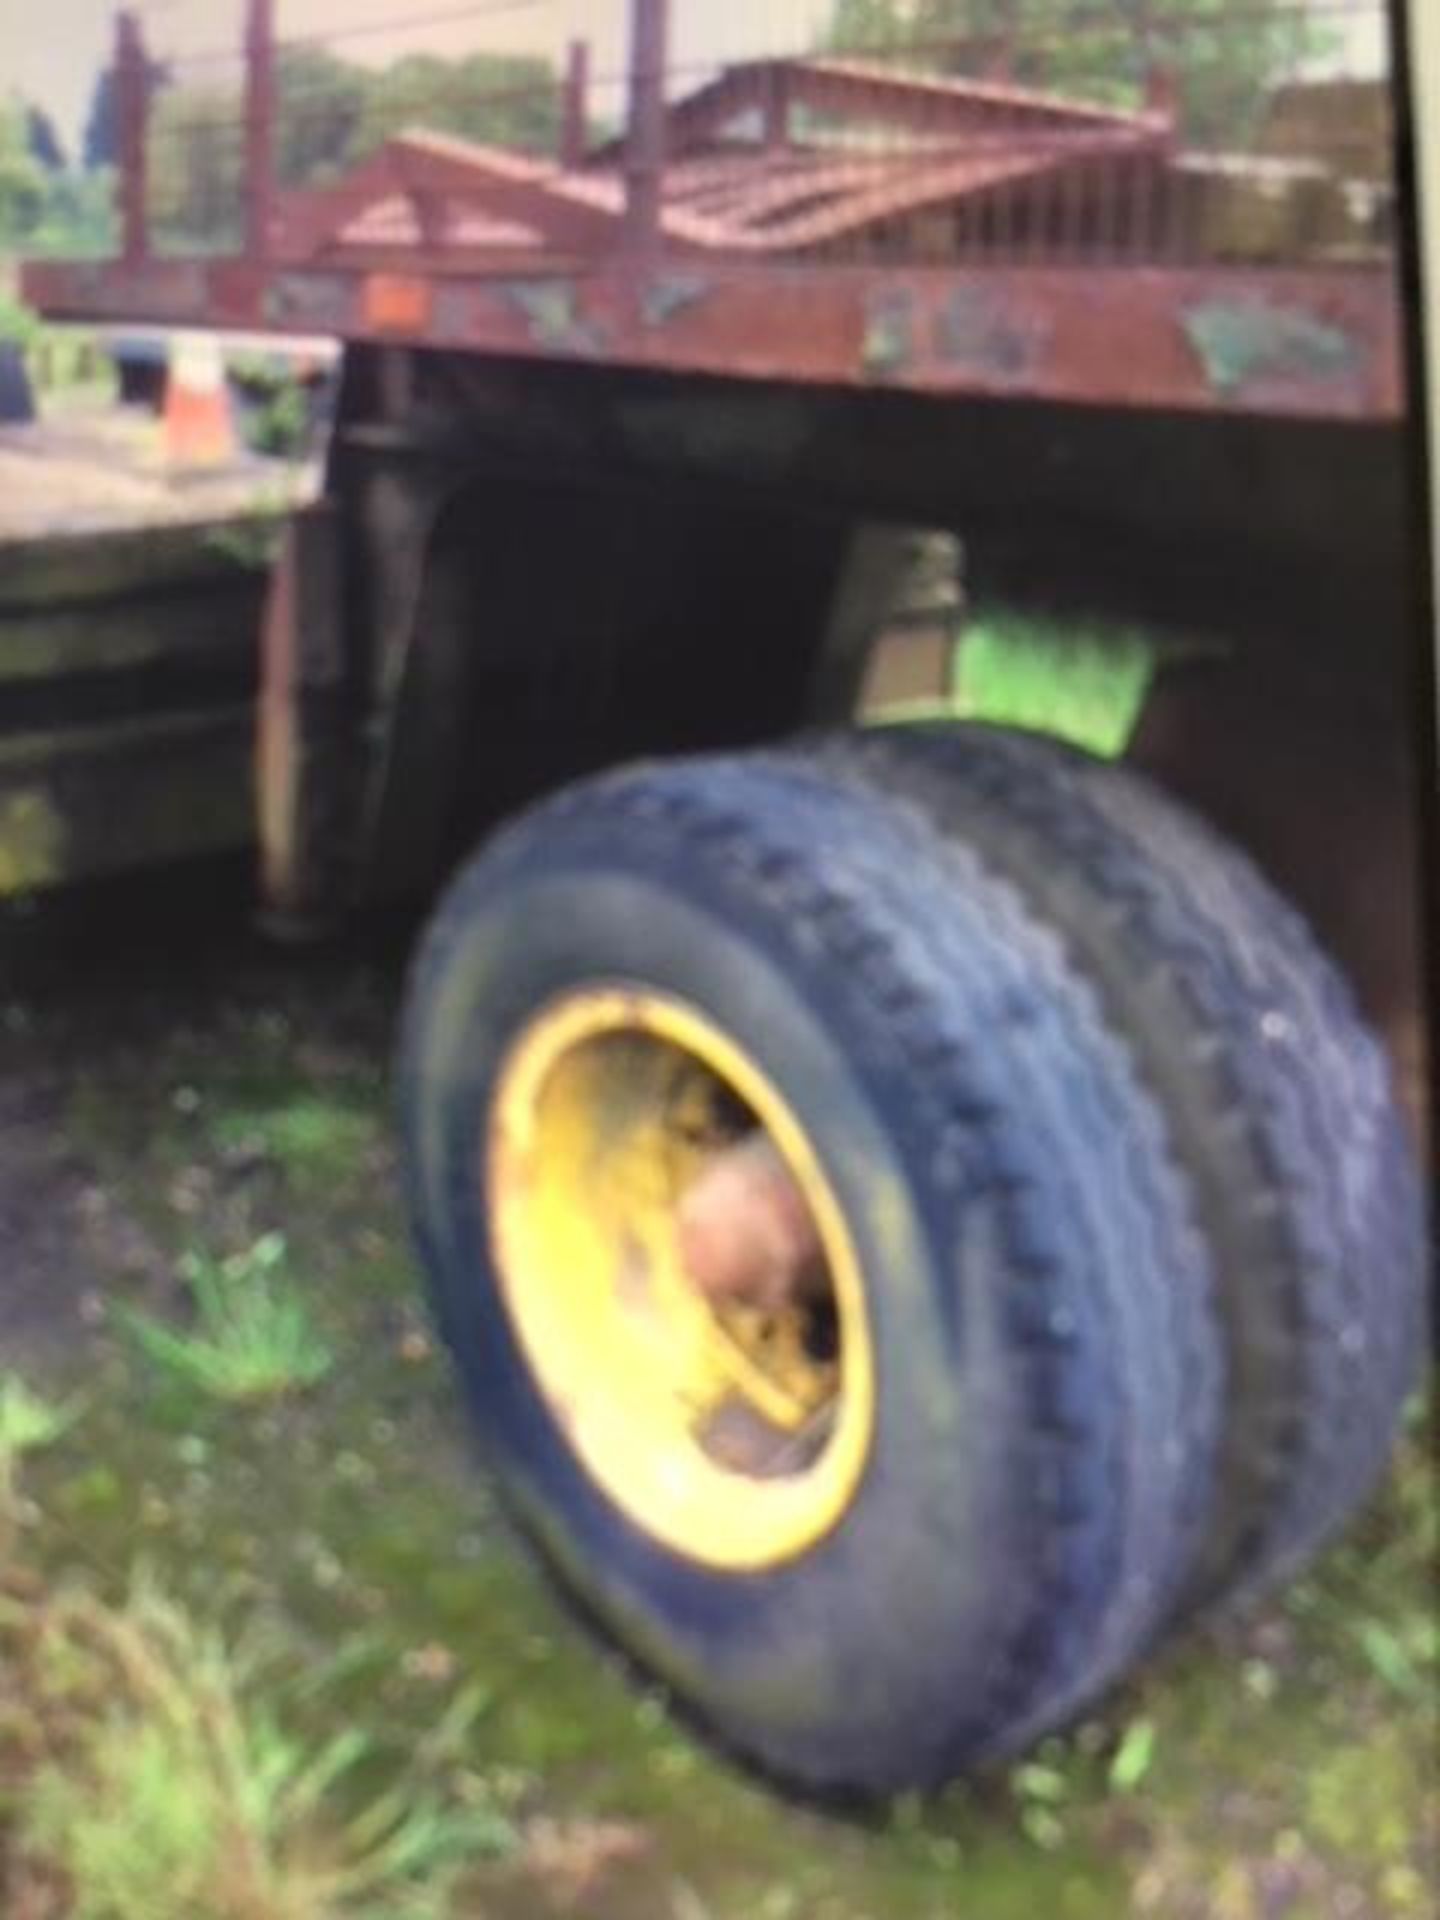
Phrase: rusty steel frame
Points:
(1321, 343)
(132, 116)
(259, 128)
(627, 282)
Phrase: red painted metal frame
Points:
(1314, 342)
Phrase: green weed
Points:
(168, 1786)
(255, 539)
(1133, 1757)
(303, 1131)
(28, 1424)
(253, 1337)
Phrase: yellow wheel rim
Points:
(734, 1433)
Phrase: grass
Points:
(29, 1422)
(253, 1338)
(163, 1784)
(66, 363)
(1284, 1768)
(305, 1133)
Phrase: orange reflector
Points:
(396, 303)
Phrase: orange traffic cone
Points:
(199, 425)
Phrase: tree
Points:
(508, 100)
(329, 114)
(1226, 57)
(195, 179)
(100, 143)
(78, 221)
(22, 182)
(320, 107)
(43, 139)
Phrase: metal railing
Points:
(832, 132)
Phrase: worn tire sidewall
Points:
(845, 1659)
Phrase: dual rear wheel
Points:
(915, 1217)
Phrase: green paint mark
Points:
(1249, 341)
(1084, 684)
(550, 308)
(889, 342)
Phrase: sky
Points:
(50, 50)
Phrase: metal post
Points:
(574, 110)
(132, 112)
(1160, 83)
(999, 65)
(1162, 92)
(775, 108)
(259, 128)
(645, 140)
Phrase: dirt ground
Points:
(170, 1086)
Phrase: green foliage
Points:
(1225, 59)
(67, 363)
(306, 1130)
(253, 542)
(1133, 1757)
(43, 139)
(196, 165)
(253, 1338)
(277, 423)
(28, 1424)
(320, 104)
(77, 220)
(281, 426)
(509, 100)
(43, 207)
(19, 324)
(22, 178)
(330, 114)
(174, 1788)
(1404, 1659)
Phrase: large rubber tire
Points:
(1277, 1102)
(1047, 1369)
